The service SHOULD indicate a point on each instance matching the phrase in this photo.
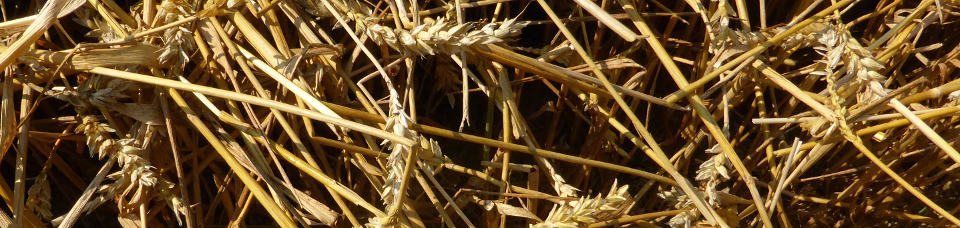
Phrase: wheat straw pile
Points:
(490, 113)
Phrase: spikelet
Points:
(587, 211)
(429, 155)
(688, 215)
(99, 141)
(136, 172)
(838, 47)
(859, 83)
(441, 36)
(727, 41)
(177, 41)
(38, 197)
(136, 182)
(712, 172)
(398, 123)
